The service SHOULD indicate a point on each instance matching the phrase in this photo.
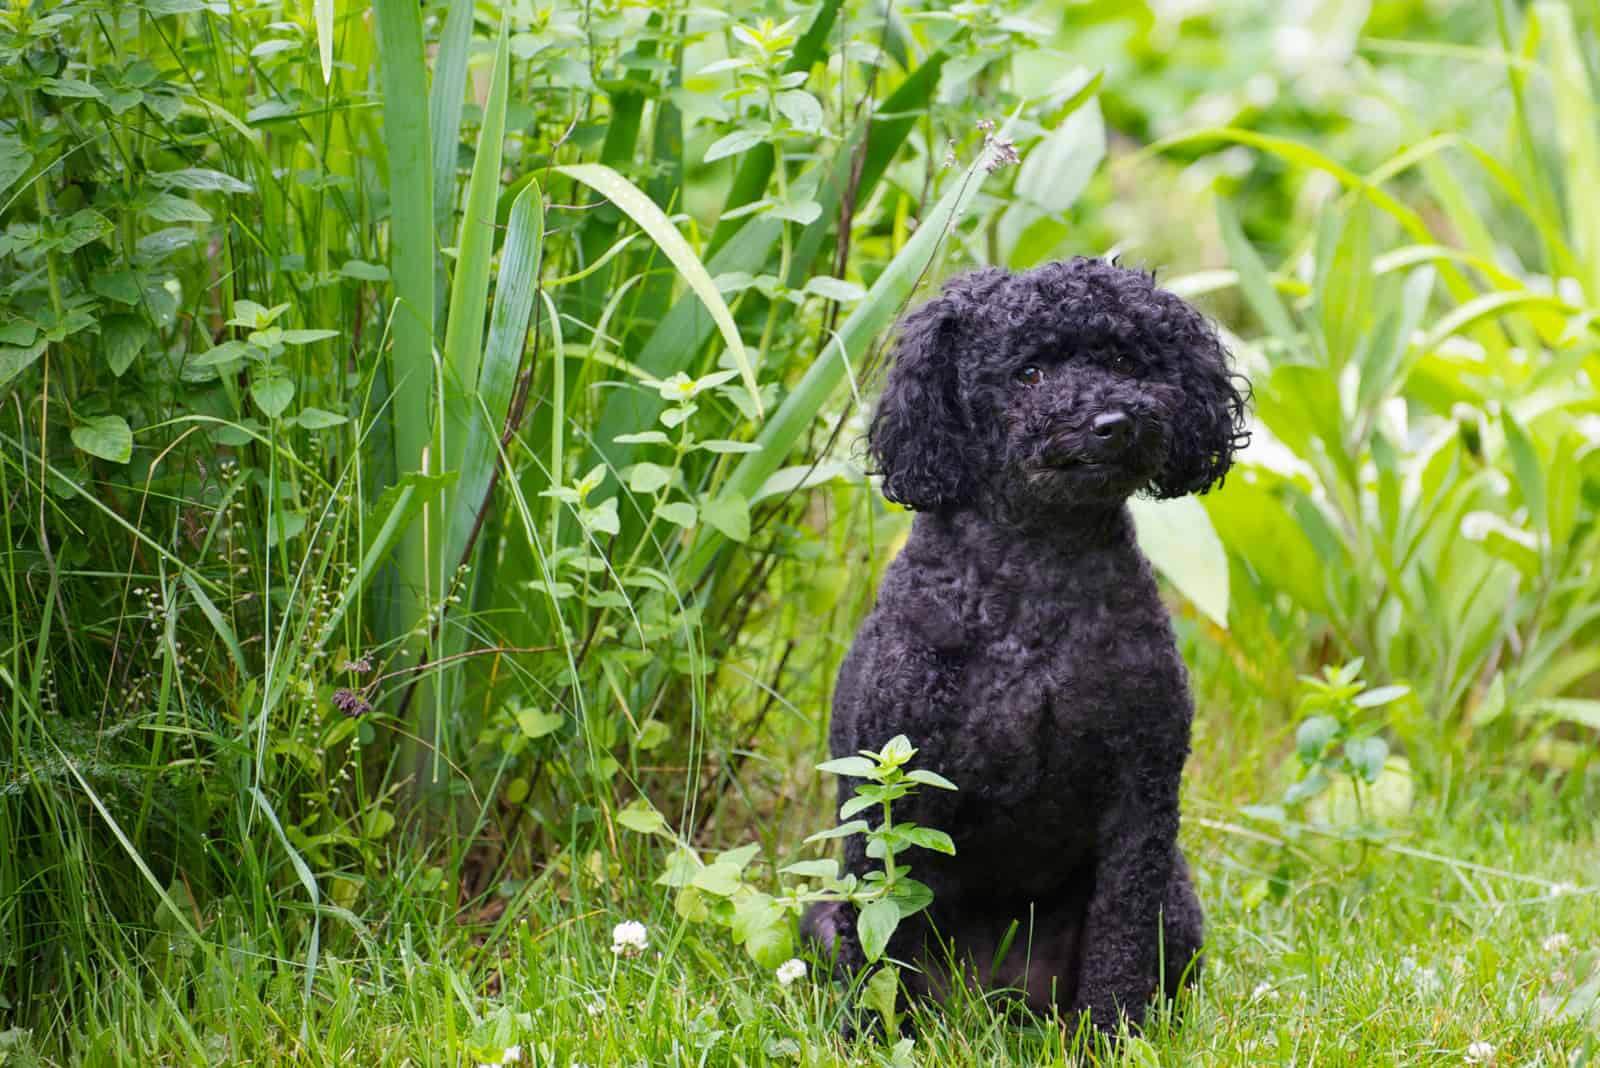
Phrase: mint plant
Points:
(1337, 737)
(723, 890)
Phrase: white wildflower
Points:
(1559, 942)
(1263, 992)
(595, 1007)
(510, 1055)
(790, 970)
(1426, 980)
(629, 938)
(1480, 1053)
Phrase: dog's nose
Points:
(1113, 427)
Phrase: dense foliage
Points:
(431, 449)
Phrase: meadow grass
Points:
(1472, 935)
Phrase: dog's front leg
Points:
(1122, 930)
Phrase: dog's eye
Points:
(1029, 376)
(1122, 364)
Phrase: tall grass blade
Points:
(463, 335)
(1576, 115)
(445, 104)
(323, 11)
(650, 218)
(502, 357)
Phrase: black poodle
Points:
(1019, 641)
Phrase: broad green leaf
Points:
(123, 337)
(105, 436)
(650, 218)
(647, 477)
(732, 144)
(730, 514)
(272, 393)
(721, 879)
(1530, 475)
(930, 838)
(879, 994)
(201, 180)
(875, 926)
(803, 110)
(641, 816)
(682, 513)
(1180, 541)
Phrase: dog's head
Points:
(1073, 385)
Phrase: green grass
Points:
(1476, 923)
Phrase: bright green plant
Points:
(1424, 483)
(1339, 738)
(724, 890)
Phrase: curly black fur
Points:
(1019, 639)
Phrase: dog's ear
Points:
(1208, 427)
(918, 431)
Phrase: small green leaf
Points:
(812, 869)
(105, 436)
(911, 897)
(680, 512)
(362, 271)
(721, 446)
(648, 477)
(930, 778)
(641, 816)
(535, 724)
(1383, 695)
(803, 110)
(645, 437)
(1307, 788)
(202, 180)
(879, 995)
(164, 207)
(317, 419)
(306, 337)
(733, 144)
(1367, 755)
(841, 831)
(854, 805)
(1314, 737)
(929, 838)
(71, 87)
(836, 289)
(876, 925)
(853, 767)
